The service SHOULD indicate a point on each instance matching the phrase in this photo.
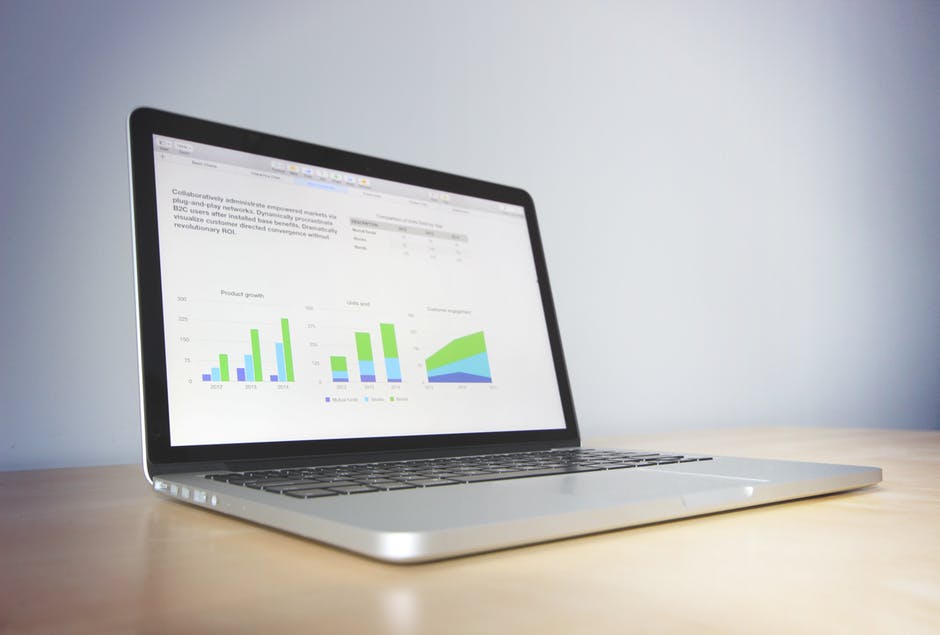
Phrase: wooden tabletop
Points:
(92, 550)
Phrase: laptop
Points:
(366, 353)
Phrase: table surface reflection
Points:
(92, 550)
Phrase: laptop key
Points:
(256, 483)
(393, 486)
(310, 493)
(222, 477)
(283, 489)
(502, 476)
(431, 482)
(353, 489)
(614, 466)
(279, 482)
(338, 483)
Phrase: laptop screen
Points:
(303, 303)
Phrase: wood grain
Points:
(92, 550)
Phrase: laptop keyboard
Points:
(360, 478)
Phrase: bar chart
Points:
(255, 361)
(365, 358)
(364, 355)
(339, 369)
(390, 351)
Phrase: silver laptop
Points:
(366, 353)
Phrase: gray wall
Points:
(740, 200)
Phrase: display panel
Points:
(302, 302)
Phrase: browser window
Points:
(308, 303)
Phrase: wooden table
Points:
(92, 550)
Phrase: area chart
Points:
(463, 360)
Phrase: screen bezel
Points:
(143, 123)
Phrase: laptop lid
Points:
(300, 301)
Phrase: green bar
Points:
(338, 363)
(460, 348)
(223, 367)
(389, 343)
(364, 347)
(288, 355)
(256, 353)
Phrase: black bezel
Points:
(142, 125)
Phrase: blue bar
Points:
(273, 377)
(281, 366)
(207, 377)
(241, 374)
(393, 369)
(340, 375)
(366, 370)
(216, 374)
(249, 369)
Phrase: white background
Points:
(494, 284)
(747, 190)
